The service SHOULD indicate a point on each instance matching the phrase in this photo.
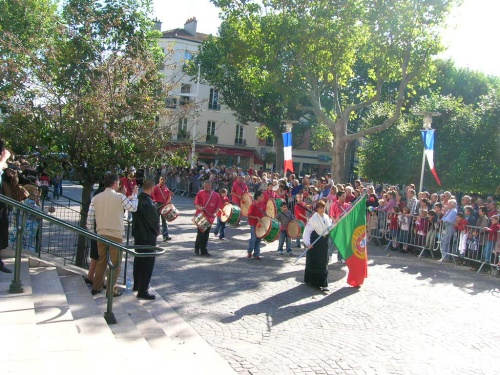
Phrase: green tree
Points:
(322, 42)
(93, 92)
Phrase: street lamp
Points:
(427, 125)
(195, 125)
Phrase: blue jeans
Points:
(284, 238)
(254, 243)
(488, 248)
(220, 228)
(164, 227)
(448, 232)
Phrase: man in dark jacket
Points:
(145, 229)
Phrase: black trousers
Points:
(200, 246)
(143, 270)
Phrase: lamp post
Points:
(195, 125)
(427, 122)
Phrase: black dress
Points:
(316, 273)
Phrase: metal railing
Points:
(21, 213)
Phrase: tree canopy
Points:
(314, 48)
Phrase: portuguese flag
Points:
(349, 235)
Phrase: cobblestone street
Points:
(412, 316)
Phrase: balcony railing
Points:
(212, 139)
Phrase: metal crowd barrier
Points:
(417, 234)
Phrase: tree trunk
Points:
(81, 252)
(339, 158)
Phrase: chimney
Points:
(157, 23)
(190, 26)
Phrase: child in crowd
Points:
(421, 228)
(221, 226)
(461, 227)
(284, 217)
(404, 220)
(492, 238)
(393, 228)
(430, 240)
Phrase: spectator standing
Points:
(448, 221)
(4, 211)
(107, 211)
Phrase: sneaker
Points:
(298, 246)
(280, 252)
(249, 255)
(168, 238)
(290, 254)
(5, 269)
(257, 257)
(205, 254)
(222, 238)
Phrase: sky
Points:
(471, 37)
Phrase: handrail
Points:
(16, 286)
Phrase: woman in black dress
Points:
(316, 273)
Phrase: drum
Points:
(268, 229)
(295, 229)
(230, 214)
(169, 212)
(273, 207)
(201, 222)
(245, 203)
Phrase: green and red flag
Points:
(349, 235)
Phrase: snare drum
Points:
(245, 203)
(268, 229)
(201, 222)
(273, 207)
(295, 229)
(230, 214)
(169, 212)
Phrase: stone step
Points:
(19, 352)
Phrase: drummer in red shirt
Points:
(300, 212)
(162, 195)
(270, 193)
(209, 203)
(256, 211)
(238, 189)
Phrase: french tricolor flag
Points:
(287, 150)
(428, 138)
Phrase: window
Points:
(239, 135)
(185, 89)
(187, 56)
(182, 128)
(211, 128)
(270, 141)
(171, 102)
(213, 101)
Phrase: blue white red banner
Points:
(428, 138)
(287, 150)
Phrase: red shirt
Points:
(225, 200)
(211, 202)
(493, 232)
(350, 198)
(257, 209)
(161, 194)
(338, 209)
(129, 185)
(393, 225)
(239, 188)
(269, 194)
(300, 212)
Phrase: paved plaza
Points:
(412, 316)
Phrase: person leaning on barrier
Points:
(145, 229)
(4, 212)
(107, 211)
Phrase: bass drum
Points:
(273, 207)
(295, 229)
(201, 222)
(169, 212)
(245, 203)
(268, 229)
(230, 214)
